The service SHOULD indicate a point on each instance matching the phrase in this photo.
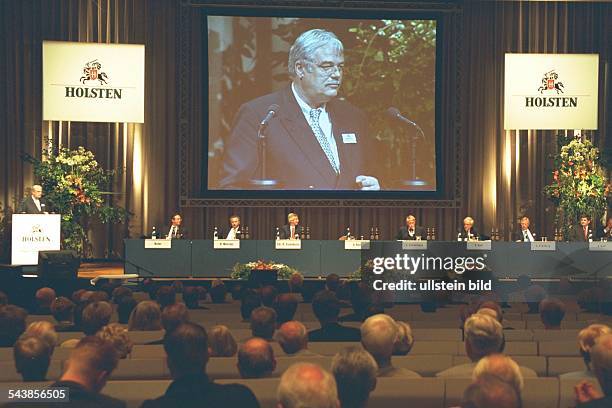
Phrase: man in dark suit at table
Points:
(468, 232)
(606, 230)
(292, 230)
(411, 231)
(315, 141)
(176, 231)
(326, 308)
(583, 232)
(525, 234)
(34, 204)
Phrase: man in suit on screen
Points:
(315, 140)
(411, 231)
(34, 204)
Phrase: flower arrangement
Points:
(243, 271)
(76, 185)
(579, 184)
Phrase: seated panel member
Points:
(468, 231)
(234, 231)
(292, 230)
(315, 141)
(411, 231)
(525, 234)
(606, 230)
(176, 231)
(583, 232)
(34, 204)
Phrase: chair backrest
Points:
(437, 335)
(555, 335)
(402, 392)
(536, 363)
(567, 395)
(264, 389)
(518, 335)
(558, 348)
(140, 351)
(563, 365)
(437, 347)
(426, 365)
(141, 369)
(330, 348)
(143, 337)
(63, 336)
(6, 354)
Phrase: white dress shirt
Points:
(527, 234)
(172, 232)
(37, 202)
(324, 123)
(231, 234)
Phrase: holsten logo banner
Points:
(551, 91)
(32, 233)
(91, 82)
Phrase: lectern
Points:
(33, 233)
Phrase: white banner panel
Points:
(551, 91)
(91, 82)
(33, 233)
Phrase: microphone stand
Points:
(415, 181)
(262, 182)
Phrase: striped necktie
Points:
(314, 124)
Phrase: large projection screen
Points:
(348, 106)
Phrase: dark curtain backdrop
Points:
(498, 176)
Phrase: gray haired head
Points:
(307, 43)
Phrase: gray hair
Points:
(307, 43)
(378, 335)
(484, 334)
(355, 372)
(307, 385)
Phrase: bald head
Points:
(307, 385)
(490, 392)
(292, 337)
(45, 296)
(256, 359)
(502, 367)
(378, 336)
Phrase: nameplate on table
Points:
(478, 245)
(414, 245)
(358, 244)
(158, 243)
(600, 246)
(543, 246)
(288, 244)
(226, 244)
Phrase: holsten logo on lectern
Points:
(92, 71)
(36, 235)
(550, 83)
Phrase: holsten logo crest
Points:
(36, 235)
(92, 72)
(549, 83)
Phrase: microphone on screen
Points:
(396, 114)
(272, 111)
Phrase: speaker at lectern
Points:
(33, 233)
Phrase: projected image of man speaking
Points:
(313, 139)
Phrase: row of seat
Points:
(389, 392)
(225, 367)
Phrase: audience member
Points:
(405, 339)
(12, 324)
(533, 296)
(62, 310)
(379, 334)
(483, 336)
(187, 351)
(263, 323)
(355, 372)
(173, 315)
(120, 292)
(361, 300)
(145, 316)
(586, 341)
(3, 299)
(490, 392)
(332, 282)
(292, 336)
(296, 282)
(95, 316)
(502, 367)
(117, 335)
(268, 295)
(285, 307)
(307, 385)
(44, 330)
(191, 297)
(587, 395)
(125, 306)
(552, 312)
(221, 342)
(99, 296)
(492, 306)
(326, 308)
(165, 296)
(256, 359)
(32, 357)
(44, 297)
(249, 302)
(218, 291)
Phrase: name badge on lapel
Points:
(349, 138)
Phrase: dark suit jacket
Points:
(605, 402)
(27, 206)
(294, 157)
(577, 234)
(199, 391)
(403, 233)
(285, 231)
(79, 398)
(603, 234)
(463, 234)
(180, 234)
(518, 236)
(335, 332)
